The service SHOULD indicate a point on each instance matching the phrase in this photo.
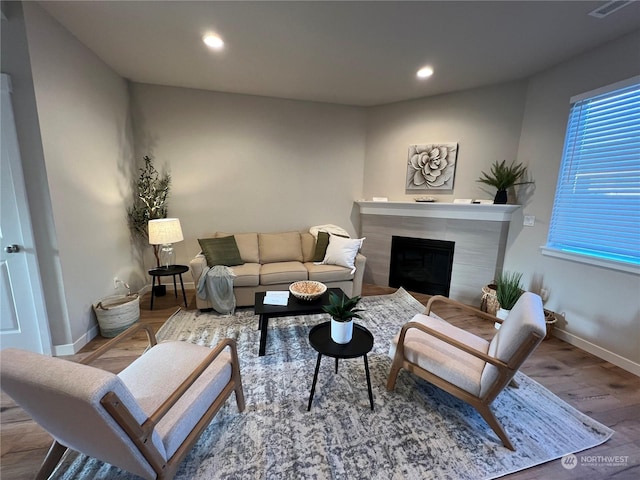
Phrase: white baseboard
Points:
(599, 352)
(73, 348)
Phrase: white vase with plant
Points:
(342, 310)
(508, 291)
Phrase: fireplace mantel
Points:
(479, 232)
(461, 211)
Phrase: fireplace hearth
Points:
(421, 265)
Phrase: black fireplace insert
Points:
(421, 265)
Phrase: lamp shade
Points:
(165, 230)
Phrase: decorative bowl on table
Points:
(307, 290)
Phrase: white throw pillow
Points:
(342, 251)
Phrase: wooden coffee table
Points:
(293, 307)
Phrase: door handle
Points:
(12, 248)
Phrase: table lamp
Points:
(165, 232)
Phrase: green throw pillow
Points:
(221, 251)
(321, 246)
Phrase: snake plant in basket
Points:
(342, 310)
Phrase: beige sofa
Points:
(275, 260)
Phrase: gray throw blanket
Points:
(216, 285)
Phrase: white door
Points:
(23, 322)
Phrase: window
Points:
(596, 210)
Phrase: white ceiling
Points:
(354, 53)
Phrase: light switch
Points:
(529, 220)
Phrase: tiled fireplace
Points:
(478, 234)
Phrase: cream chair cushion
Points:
(446, 361)
(525, 318)
(160, 371)
(64, 398)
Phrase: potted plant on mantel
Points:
(342, 310)
(508, 291)
(503, 177)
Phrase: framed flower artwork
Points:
(431, 166)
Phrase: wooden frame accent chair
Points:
(143, 420)
(463, 364)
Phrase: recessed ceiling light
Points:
(425, 72)
(213, 41)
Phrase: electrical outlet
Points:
(544, 294)
(529, 220)
(116, 281)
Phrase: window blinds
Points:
(596, 210)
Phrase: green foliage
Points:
(342, 308)
(503, 176)
(508, 289)
(150, 201)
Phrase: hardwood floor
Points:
(595, 387)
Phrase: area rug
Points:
(415, 432)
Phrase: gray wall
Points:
(82, 108)
(245, 163)
(602, 306)
(16, 63)
(484, 122)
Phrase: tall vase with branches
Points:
(151, 192)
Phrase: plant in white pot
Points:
(342, 310)
(508, 291)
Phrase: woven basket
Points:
(550, 320)
(489, 302)
(307, 290)
(117, 313)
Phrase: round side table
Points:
(359, 346)
(171, 270)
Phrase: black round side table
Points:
(171, 270)
(359, 346)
